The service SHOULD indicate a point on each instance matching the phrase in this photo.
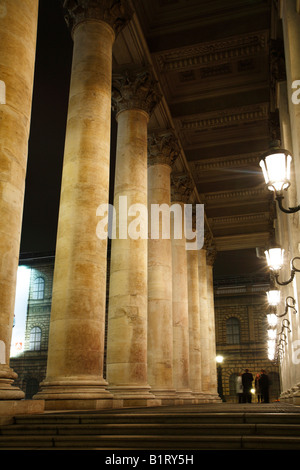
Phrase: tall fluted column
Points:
(291, 37)
(180, 193)
(194, 323)
(204, 323)
(210, 258)
(162, 152)
(18, 27)
(134, 98)
(76, 342)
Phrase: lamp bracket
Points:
(290, 210)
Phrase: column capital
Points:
(181, 188)
(163, 148)
(135, 88)
(116, 13)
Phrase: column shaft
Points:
(291, 37)
(194, 323)
(160, 332)
(76, 341)
(18, 27)
(204, 322)
(181, 190)
(212, 335)
(127, 315)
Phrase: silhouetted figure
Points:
(247, 379)
(257, 388)
(264, 386)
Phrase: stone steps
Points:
(153, 431)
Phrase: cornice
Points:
(241, 219)
(251, 159)
(224, 118)
(248, 193)
(223, 50)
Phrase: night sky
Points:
(48, 125)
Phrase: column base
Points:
(9, 408)
(215, 398)
(296, 396)
(7, 390)
(184, 397)
(130, 396)
(167, 397)
(74, 394)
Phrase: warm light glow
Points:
(276, 169)
(271, 356)
(274, 258)
(271, 346)
(219, 359)
(272, 319)
(272, 333)
(20, 312)
(273, 297)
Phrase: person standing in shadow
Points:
(257, 388)
(264, 386)
(247, 379)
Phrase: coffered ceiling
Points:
(212, 61)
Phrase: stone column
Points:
(204, 323)
(180, 194)
(210, 258)
(135, 96)
(162, 152)
(76, 342)
(194, 324)
(18, 27)
(291, 36)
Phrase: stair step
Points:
(148, 429)
(153, 442)
(159, 429)
(161, 418)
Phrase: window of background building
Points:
(233, 331)
(38, 288)
(35, 339)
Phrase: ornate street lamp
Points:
(275, 262)
(276, 168)
(273, 296)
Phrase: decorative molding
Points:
(135, 87)
(241, 219)
(211, 254)
(248, 193)
(181, 188)
(204, 54)
(229, 117)
(227, 162)
(163, 148)
(116, 13)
